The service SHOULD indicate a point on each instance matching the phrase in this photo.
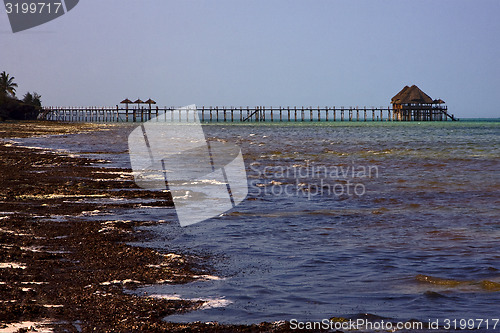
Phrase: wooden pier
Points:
(246, 114)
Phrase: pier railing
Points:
(245, 114)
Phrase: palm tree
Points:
(37, 99)
(34, 99)
(7, 84)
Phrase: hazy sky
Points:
(261, 52)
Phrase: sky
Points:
(261, 52)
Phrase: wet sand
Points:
(67, 273)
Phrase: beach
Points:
(250, 166)
(62, 272)
(393, 222)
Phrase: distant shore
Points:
(63, 272)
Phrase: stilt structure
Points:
(412, 104)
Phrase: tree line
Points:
(13, 108)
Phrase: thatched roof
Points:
(411, 95)
(126, 101)
(150, 101)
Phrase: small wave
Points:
(486, 285)
(215, 303)
(490, 285)
(434, 295)
(208, 303)
(183, 197)
(369, 316)
(438, 281)
(208, 277)
(204, 181)
(126, 281)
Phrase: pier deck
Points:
(246, 114)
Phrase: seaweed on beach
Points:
(74, 272)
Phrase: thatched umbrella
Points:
(126, 101)
(150, 101)
(438, 101)
(138, 101)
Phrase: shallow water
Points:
(416, 237)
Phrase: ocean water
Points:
(394, 220)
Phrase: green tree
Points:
(28, 98)
(7, 84)
(37, 99)
(32, 99)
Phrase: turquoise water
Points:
(416, 237)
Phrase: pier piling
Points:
(244, 114)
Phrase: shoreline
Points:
(69, 273)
